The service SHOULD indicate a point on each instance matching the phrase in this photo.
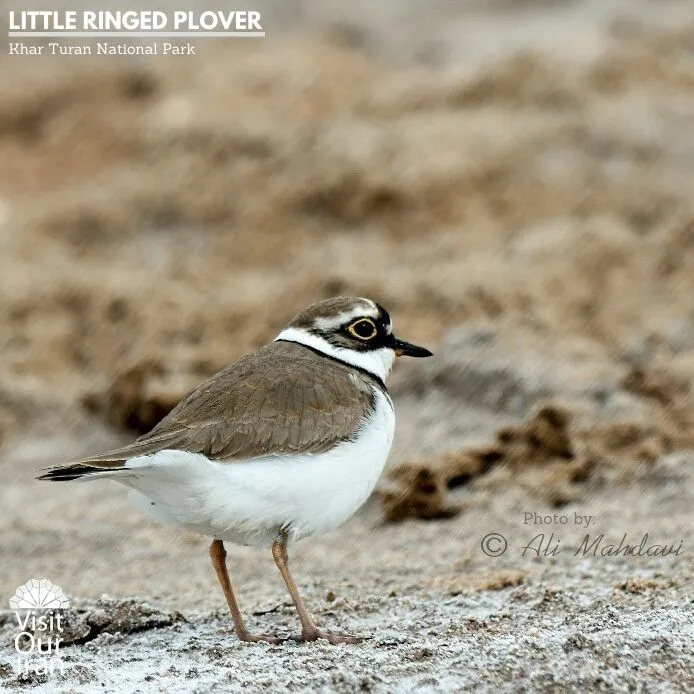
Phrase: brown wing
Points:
(282, 399)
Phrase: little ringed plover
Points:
(285, 443)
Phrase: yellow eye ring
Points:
(363, 329)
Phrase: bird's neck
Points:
(377, 362)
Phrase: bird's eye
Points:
(364, 329)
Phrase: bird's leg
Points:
(218, 555)
(309, 631)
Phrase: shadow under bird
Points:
(285, 443)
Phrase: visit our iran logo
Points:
(40, 609)
(39, 593)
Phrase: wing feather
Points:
(282, 399)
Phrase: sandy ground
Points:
(436, 613)
(513, 181)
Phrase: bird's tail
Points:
(78, 471)
(110, 464)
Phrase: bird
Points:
(286, 443)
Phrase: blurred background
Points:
(512, 179)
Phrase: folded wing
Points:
(282, 399)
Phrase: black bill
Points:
(407, 349)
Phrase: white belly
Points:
(247, 502)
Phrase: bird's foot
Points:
(260, 638)
(315, 634)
